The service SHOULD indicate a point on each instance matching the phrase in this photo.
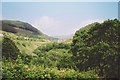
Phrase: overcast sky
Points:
(59, 18)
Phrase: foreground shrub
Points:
(20, 71)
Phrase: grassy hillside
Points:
(23, 29)
(26, 45)
(25, 36)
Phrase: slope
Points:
(21, 28)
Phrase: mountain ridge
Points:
(23, 28)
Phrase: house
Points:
(1, 35)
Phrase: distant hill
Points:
(22, 28)
(65, 37)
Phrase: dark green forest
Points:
(97, 48)
(92, 54)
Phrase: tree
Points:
(97, 48)
(9, 49)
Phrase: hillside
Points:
(92, 54)
(49, 61)
(25, 45)
(24, 35)
(22, 29)
(37, 58)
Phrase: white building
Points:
(1, 35)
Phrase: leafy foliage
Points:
(93, 52)
(53, 63)
(54, 55)
(97, 48)
(20, 71)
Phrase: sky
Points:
(59, 18)
(59, 0)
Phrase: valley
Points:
(27, 53)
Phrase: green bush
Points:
(20, 71)
(9, 49)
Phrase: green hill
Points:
(22, 29)
(26, 46)
(25, 36)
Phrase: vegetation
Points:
(9, 49)
(18, 27)
(54, 55)
(91, 54)
(97, 48)
(54, 64)
(20, 71)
